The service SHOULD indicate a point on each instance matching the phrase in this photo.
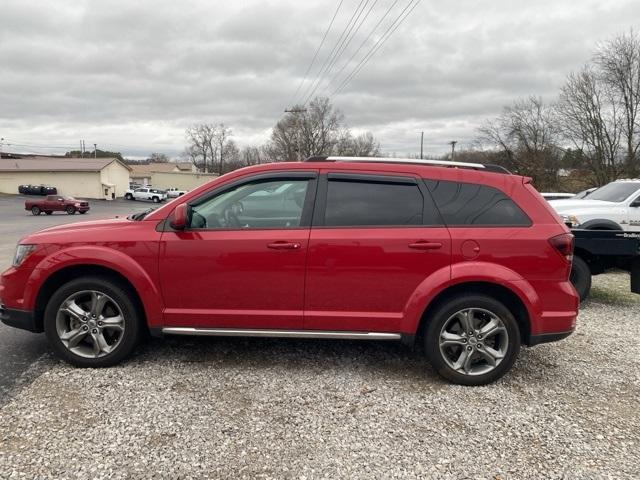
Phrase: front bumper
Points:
(22, 319)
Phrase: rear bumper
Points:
(21, 319)
(547, 338)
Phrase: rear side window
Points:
(477, 205)
(369, 203)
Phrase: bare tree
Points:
(202, 146)
(363, 145)
(224, 146)
(618, 60)
(316, 131)
(158, 158)
(590, 118)
(526, 136)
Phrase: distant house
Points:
(105, 178)
(143, 174)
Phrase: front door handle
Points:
(283, 245)
(422, 245)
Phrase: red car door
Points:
(374, 240)
(241, 261)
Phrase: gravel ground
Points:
(240, 408)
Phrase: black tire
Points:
(128, 196)
(36, 210)
(132, 322)
(82, 212)
(155, 199)
(48, 212)
(581, 277)
(70, 210)
(442, 315)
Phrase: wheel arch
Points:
(66, 274)
(501, 293)
(600, 224)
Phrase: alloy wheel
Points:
(90, 324)
(473, 341)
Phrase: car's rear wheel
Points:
(92, 322)
(472, 339)
(70, 210)
(48, 212)
(82, 212)
(35, 210)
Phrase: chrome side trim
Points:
(230, 332)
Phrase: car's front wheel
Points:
(92, 322)
(472, 339)
(128, 196)
(155, 199)
(70, 210)
(35, 210)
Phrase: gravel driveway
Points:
(240, 408)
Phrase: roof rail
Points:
(436, 163)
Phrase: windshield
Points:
(615, 192)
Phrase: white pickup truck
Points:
(175, 192)
(146, 193)
(615, 206)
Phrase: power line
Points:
(315, 56)
(314, 84)
(364, 42)
(381, 41)
(350, 36)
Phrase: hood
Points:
(571, 206)
(69, 230)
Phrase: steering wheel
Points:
(231, 215)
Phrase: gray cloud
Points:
(132, 75)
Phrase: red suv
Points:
(467, 258)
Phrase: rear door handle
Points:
(283, 245)
(422, 245)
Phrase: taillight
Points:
(563, 243)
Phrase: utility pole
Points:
(453, 149)
(421, 144)
(297, 111)
(1, 141)
(95, 150)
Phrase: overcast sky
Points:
(132, 75)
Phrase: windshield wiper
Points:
(136, 217)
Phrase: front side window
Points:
(478, 205)
(259, 204)
(369, 203)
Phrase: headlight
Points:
(22, 252)
(571, 220)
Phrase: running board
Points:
(229, 332)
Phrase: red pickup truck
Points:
(56, 203)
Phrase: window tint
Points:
(360, 203)
(471, 204)
(259, 204)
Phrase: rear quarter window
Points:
(469, 204)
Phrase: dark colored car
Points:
(56, 203)
(465, 258)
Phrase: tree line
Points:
(592, 127)
(318, 129)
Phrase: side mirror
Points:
(179, 220)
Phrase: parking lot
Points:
(257, 408)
